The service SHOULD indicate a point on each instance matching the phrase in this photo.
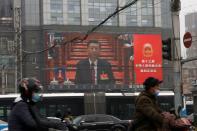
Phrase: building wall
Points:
(145, 13)
(191, 26)
(32, 63)
(152, 16)
(189, 77)
(6, 7)
(7, 48)
(189, 69)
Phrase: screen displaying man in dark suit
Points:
(94, 70)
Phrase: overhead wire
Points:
(110, 16)
(97, 26)
(55, 44)
(88, 32)
(94, 28)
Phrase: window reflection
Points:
(131, 15)
(99, 10)
(56, 7)
(147, 12)
(73, 7)
(91, 12)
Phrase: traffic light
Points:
(166, 49)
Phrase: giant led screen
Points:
(69, 58)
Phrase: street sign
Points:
(187, 39)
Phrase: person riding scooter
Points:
(24, 115)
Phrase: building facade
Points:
(79, 16)
(41, 20)
(48, 22)
(189, 69)
(7, 48)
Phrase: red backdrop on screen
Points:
(147, 56)
(67, 54)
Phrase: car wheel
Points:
(118, 129)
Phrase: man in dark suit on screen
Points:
(92, 70)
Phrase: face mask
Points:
(156, 93)
(36, 97)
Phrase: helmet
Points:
(29, 85)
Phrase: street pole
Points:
(175, 9)
(18, 41)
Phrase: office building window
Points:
(147, 12)
(131, 15)
(6, 7)
(165, 14)
(56, 11)
(32, 12)
(73, 10)
(100, 9)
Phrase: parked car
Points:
(71, 127)
(100, 122)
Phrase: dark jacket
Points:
(20, 118)
(147, 115)
(83, 73)
(25, 117)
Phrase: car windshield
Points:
(77, 120)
